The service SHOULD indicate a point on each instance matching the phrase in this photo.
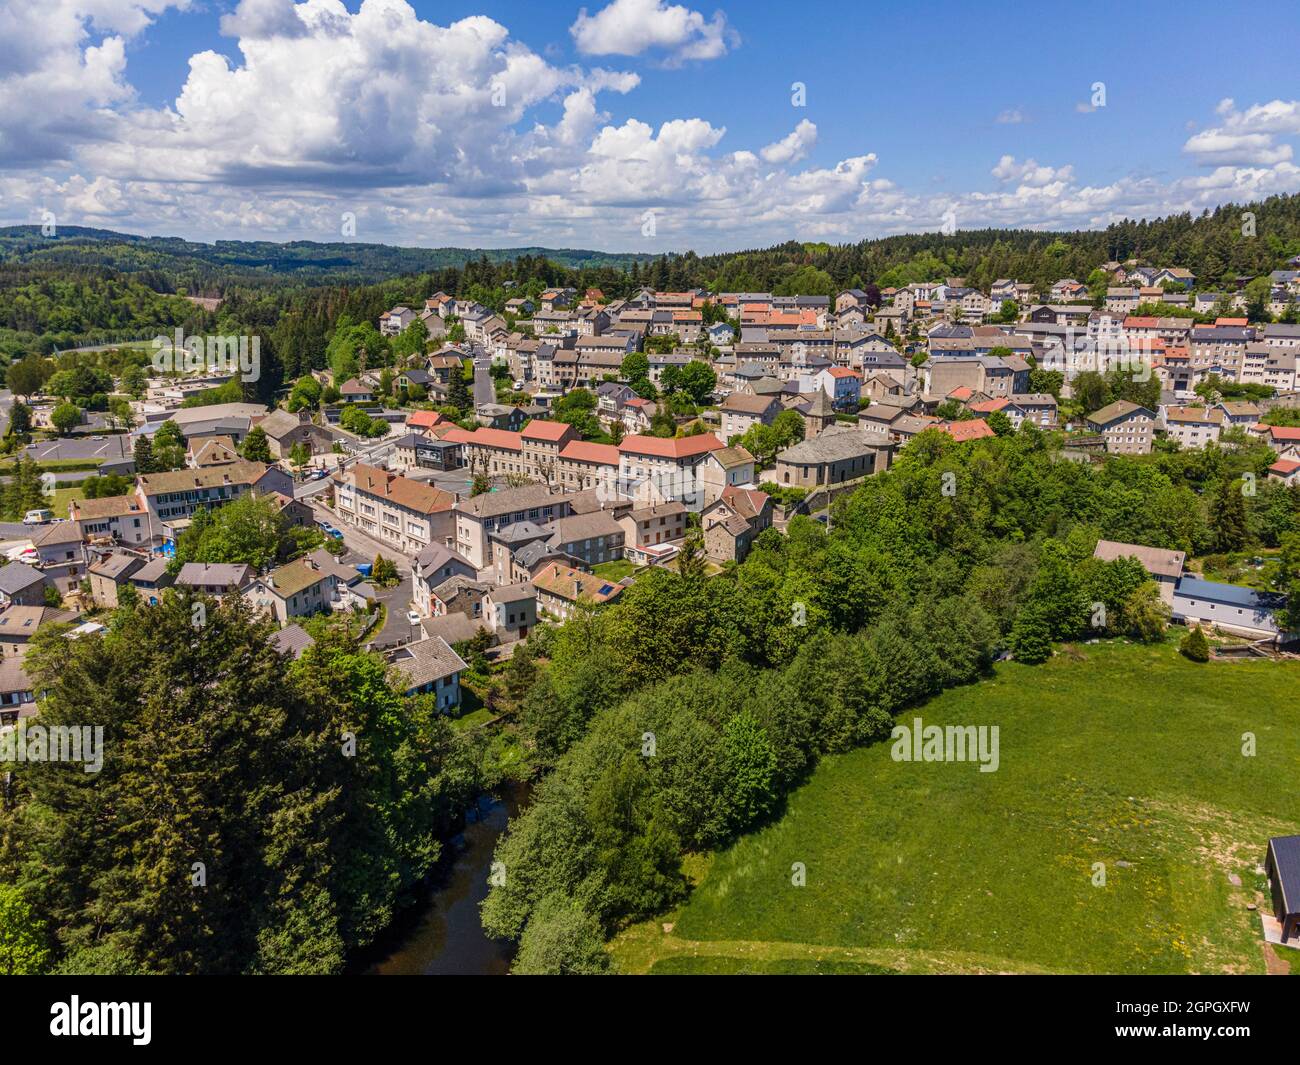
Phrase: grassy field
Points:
(614, 571)
(1117, 754)
(62, 497)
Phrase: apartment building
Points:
(1193, 427)
(1127, 428)
(177, 494)
(409, 515)
(476, 518)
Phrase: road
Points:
(365, 545)
(484, 389)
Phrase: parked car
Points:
(329, 530)
(38, 517)
(413, 617)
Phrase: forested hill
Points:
(1211, 244)
(89, 286)
(177, 263)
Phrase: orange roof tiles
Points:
(678, 448)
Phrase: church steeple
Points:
(820, 415)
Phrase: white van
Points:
(38, 517)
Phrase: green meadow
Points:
(1117, 761)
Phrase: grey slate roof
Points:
(18, 576)
(292, 639)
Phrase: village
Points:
(512, 513)
(514, 467)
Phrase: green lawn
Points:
(1129, 756)
(62, 497)
(614, 571)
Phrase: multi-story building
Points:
(742, 410)
(408, 514)
(434, 566)
(123, 518)
(177, 494)
(591, 538)
(476, 518)
(1192, 427)
(654, 469)
(1127, 428)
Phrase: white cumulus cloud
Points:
(630, 27)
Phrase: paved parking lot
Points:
(64, 448)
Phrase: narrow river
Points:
(441, 935)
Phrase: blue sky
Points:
(634, 124)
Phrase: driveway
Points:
(362, 543)
(484, 390)
(397, 601)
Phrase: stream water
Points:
(441, 934)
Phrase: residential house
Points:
(842, 385)
(1165, 567)
(217, 579)
(741, 411)
(18, 624)
(511, 610)
(284, 431)
(732, 522)
(650, 533)
(429, 666)
(355, 391)
(62, 554)
(109, 573)
(590, 538)
(432, 567)
(459, 595)
(561, 588)
(297, 589)
(151, 579)
(17, 698)
(391, 323)
(477, 517)
(1192, 427)
(1127, 428)
(124, 519)
(726, 468)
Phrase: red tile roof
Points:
(974, 429)
(501, 438)
(425, 419)
(582, 451)
(1281, 432)
(543, 430)
(678, 448)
